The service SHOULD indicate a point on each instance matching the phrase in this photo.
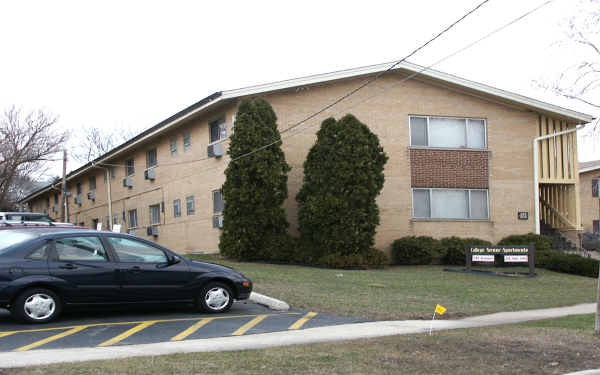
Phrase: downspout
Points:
(536, 167)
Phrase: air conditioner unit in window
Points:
(152, 231)
(78, 200)
(127, 182)
(149, 174)
(218, 221)
(215, 150)
(92, 195)
(54, 209)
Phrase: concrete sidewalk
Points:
(266, 340)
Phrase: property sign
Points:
(511, 254)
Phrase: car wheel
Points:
(215, 297)
(36, 305)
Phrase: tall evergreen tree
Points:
(343, 175)
(255, 185)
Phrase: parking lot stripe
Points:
(243, 329)
(127, 333)
(192, 329)
(50, 339)
(6, 333)
(300, 322)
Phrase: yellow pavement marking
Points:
(192, 329)
(51, 338)
(303, 320)
(243, 329)
(2, 334)
(127, 333)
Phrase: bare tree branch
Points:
(26, 144)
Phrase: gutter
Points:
(536, 167)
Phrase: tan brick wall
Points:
(449, 168)
(590, 207)
(509, 131)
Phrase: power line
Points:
(495, 31)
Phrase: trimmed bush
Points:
(540, 242)
(571, 264)
(453, 249)
(413, 250)
(343, 175)
(255, 186)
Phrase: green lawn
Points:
(411, 292)
(562, 345)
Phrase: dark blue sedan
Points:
(44, 270)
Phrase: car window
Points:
(80, 249)
(10, 238)
(135, 251)
(41, 253)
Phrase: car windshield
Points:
(26, 217)
(9, 238)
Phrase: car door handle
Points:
(68, 267)
(135, 269)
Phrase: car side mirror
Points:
(172, 259)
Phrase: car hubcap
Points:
(217, 298)
(39, 306)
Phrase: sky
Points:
(131, 64)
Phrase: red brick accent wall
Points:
(430, 168)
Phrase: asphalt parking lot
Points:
(139, 325)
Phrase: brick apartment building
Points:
(589, 182)
(461, 160)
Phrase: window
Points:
(176, 208)
(129, 168)
(92, 182)
(218, 130)
(94, 224)
(80, 249)
(190, 205)
(155, 214)
(78, 186)
(132, 218)
(596, 187)
(115, 219)
(129, 250)
(173, 145)
(218, 202)
(40, 253)
(112, 172)
(107, 221)
(450, 203)
(151, 160)
(55, 198)
(447, 132)
(187, 141)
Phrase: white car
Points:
(29, 217)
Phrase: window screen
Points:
(218, 202)
(155, 214)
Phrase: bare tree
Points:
(88, 143)
(581, 81)
(26, 145)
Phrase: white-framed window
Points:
(173, 146)
(187, 141)
(155, 214)
(190, 205)
(177, 208)
(133, 218)
(218, 130)
(218, 202)
(448, 132)
(151, 158)
(129, 167)
(467, 204)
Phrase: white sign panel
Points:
(99, 226)
(483, 258)
(117, 228)
(515, 258)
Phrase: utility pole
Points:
(65, 211)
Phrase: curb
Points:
(585, 372)
(271, 303)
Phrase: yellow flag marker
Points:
(440, 309)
